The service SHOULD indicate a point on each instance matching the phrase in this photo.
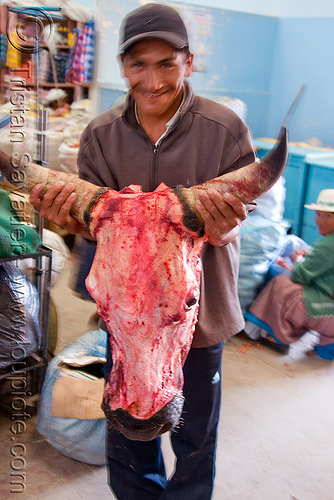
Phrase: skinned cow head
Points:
(145, 280)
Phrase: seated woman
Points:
(291, 305)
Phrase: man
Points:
(166, 133)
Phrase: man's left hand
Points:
(222, 214)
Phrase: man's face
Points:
(325, 222)
(156, 71)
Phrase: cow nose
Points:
(139, 429)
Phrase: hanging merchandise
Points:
(3, 50)
(80, 63)
(60, 59)
(44, 65)
(13, 56)
(69, 67)
(86, 66)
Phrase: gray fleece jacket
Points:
(206, 140)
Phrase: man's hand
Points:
(56, 205)
(222, 214)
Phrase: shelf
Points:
(44, 46)
(56, 66)
(65, 85)
(51, 85)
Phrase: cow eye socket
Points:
(191, 302)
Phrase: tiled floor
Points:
(276, 438)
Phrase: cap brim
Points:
(171, 38)
(320, 208)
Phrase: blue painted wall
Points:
(304, 55)
(283, 8)
(240, 63)
(262, 60)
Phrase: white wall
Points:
(277, 8)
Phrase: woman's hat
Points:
(325, 201)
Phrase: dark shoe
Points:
(272, 344)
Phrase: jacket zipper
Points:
(154, 168)
(154, 177)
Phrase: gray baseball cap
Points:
(153, 20)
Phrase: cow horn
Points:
(24, 175)
(247, 183)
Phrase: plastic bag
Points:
(60, 257)
(284, 262)
(261, 241)
(271, 203)
(20, 334)
(78, 438)
(293, 243)
(16, 238)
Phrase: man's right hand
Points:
(56, 205)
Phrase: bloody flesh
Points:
(145, 280)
